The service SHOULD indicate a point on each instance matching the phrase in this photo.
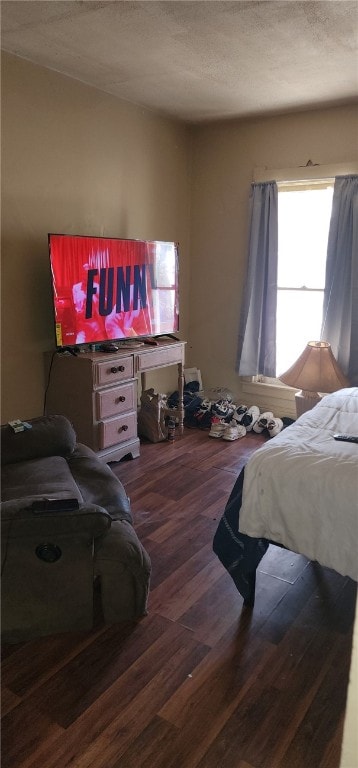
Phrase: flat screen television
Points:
(108, 289)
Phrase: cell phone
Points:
(54, 505)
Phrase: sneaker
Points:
(223, 409)
(233, 431)
(274, 427)
(262, 422)
(217, 428)
(239, 412)
(203, 413)
(250, 417)
(205, 405)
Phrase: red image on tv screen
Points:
(109, 288)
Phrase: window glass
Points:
(303, 225)
(299, 319)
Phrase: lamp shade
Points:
(316, 370)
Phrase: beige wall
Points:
(224, 158)
(77, 161)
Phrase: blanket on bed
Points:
(239, 554)
(299, 490)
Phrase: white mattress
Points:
(301, 487)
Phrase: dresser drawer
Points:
(113, 370)
(156, 358)
(117, 430)
(116, 400)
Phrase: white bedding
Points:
(301, 487)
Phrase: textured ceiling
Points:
(199, 60)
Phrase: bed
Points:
(300, 491)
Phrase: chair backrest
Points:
(47, 436)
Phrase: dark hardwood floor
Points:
(200, 682)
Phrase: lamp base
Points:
(305, 401)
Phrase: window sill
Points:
(267, 381)
(269, 394)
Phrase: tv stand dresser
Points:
(97, 391)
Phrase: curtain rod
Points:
(306, 172)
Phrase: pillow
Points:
(48, 436)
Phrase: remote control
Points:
(54, 505)
(347, 438)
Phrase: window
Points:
(304, 210)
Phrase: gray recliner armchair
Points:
(51, 559)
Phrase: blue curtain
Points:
(340, 307)
(257, 333)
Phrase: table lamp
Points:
(315, 371)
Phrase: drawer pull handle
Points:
(123, 428)
(118, 369)
(120, 399)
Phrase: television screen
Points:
(106, 289)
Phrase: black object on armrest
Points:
(41, 506)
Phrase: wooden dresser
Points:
(98, 393)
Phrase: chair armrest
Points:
(98, 483)
(18, 519)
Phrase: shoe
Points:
(239, 412)
(223, 409)
(203, 414)
(262, 422)
(205, 405)
(250, 417)
(217, 428)
(233, 431)
(274, 427)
